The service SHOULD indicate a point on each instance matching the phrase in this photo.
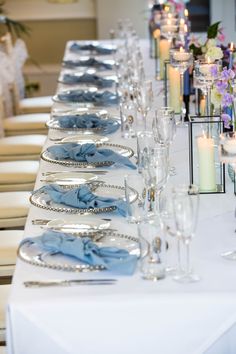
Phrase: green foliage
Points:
(213, 30)
(195, 50)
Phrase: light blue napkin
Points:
(113, 259)
(105, 98)
(76, 47)
(91, 62)
(88, 121)
(87, 79)
(82, 198)
(90, 153)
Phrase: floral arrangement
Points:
(209, 48)
(222, 95)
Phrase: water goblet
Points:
(185, 205)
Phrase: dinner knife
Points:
(71, 282)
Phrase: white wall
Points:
(224, 10)
(109, 11)
(42, 10)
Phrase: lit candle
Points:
(181, 55)
(174, 89)
(231, 53)
(181, 25)
(230, 146)
(186, 13)
(206, 163)
(164, 55)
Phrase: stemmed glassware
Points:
(144, 99)
(205, 74)
(227, 150)
(185, 206)
(181, 60)
(164, 127)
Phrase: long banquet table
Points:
(134, 315)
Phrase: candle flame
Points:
(166, 8)
(181, 21)
(186, 12)
(181, 49)
(208, 60)
(185, 28)
(231, 46)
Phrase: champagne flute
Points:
(144, 99)
(185, 205)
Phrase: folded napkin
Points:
(82, 248)
(91, 62)
(98, 98)
(82, 198)
(87, 79)
(76, 47)
(88, 152)
(88, 121)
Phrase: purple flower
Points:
(226, 120)
(214, 71)
(227, 74)
(221, 87)
(227, 99)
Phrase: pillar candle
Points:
(164, 55)
(206, 163)
(203, 106)
(174, 89)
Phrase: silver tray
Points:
(35, 255)
(103, 114)
(41, 199)
(121, 149)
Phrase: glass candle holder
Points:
(181, 60)
(206, 74)
(205, 167)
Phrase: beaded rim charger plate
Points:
(35, 255)
(42, 199)
(120, 149)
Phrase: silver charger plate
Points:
(84, 104)
(72, 225)
(120, 149)
(96, 44)
(83, 138)
(54, 122)
(81, 59)
(41, 199)
(35, 255)
(62, 80)
(70, 178)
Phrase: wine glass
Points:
(185, 206)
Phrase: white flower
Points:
(211, 43)
(216, 98)
(214, 53)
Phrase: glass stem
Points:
(182, 107)
(208, 108)
(179, 268)
(188, 270)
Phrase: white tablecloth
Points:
(134, 316)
